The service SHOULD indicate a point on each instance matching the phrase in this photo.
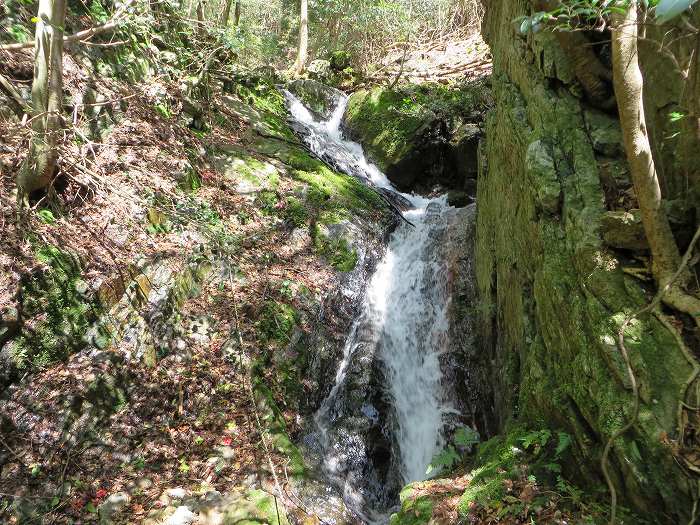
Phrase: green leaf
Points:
(445, 459)
(669, 9)
(46, 216)
(675, 116)
(563, 443)
(525, 25)
(90, 507)
(466, 437)
(553, 467)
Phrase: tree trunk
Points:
(237, 14)
(303, 51)
(47, 98)
(200, 19)
(223, 22)
(628, 82)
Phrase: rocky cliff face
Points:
(556, 270)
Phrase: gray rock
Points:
(181, 516)
(542, 173)
(320, 70)
(624, 229)
(112, 505)
(605, 133)
(176, 493)
(319, 98)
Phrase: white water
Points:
(405, 306)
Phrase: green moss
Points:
(266, 98)
(55, 303)
(296, 212)
(562, 296)
(337, 252)
(416, 511)
(275, 425)
(253, 507)
(277, 321)
(390, 123)
(387, 122)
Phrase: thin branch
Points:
(80, 35)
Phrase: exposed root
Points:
(652, 306)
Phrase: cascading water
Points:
(397, 339)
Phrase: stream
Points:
(388, 412)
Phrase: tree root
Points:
(652, 306)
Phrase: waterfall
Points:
(403, 325)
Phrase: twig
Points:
(11, 450)
(80, 35)
(251, 393)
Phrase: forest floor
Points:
(452, 58)
(188, 424)
(150, 194)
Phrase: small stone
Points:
(227, 452)
(181, 516)
(176, 493)
(144, 483)
(112, 505)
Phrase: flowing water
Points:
(402, 327)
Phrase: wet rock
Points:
(320, 99)
(413, 138)
(459, 199)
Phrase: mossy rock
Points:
(560, 293)
(414, 134)
(414, 511)
(57, 309)
(320, 99)
(253, 507)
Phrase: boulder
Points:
(320, 70)
(112, 506)
(463, 149)
(320, 99)
(405, 139)
(624, 229)
(340, 60)
(421, 138)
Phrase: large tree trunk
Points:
(303, 50)
(628, 82)
(47, 98)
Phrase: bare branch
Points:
(80, 35)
